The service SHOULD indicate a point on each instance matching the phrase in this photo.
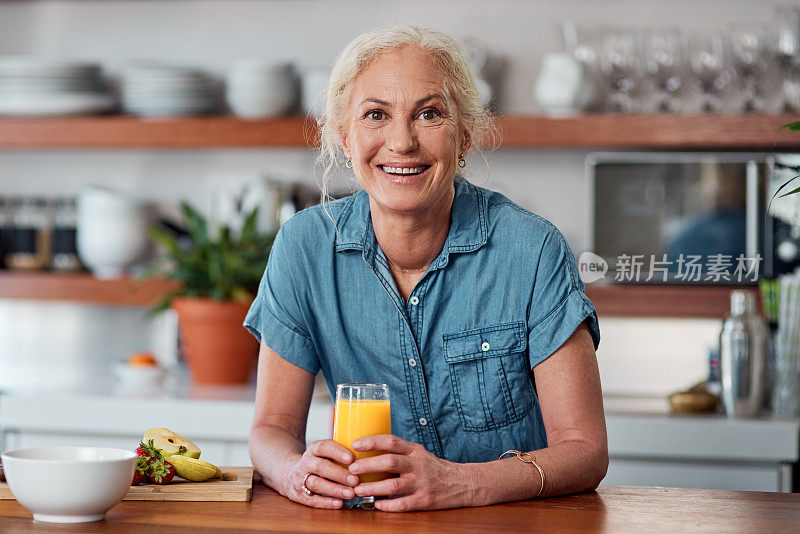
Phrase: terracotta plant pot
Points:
(217, 348)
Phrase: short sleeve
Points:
(276, 316)
(559, 304)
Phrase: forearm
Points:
(273, 450)
(569, 467)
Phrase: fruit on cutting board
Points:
(152, 465)
(194, 469)
(170, 443)
(140, 471)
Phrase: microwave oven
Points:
(691, 217)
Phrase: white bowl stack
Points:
(258, 88)
(34, 86)
(159, 90)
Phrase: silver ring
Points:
(305, 488)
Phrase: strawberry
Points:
(140, 472)
(160, 471)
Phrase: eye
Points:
(430, 114)
(374, 114)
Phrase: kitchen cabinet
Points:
(217, 419)
(703, 451)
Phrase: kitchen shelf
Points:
(84, 288)
(674, 132)
(662, 300)
(609, 299)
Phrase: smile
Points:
(403, 170)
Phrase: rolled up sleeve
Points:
(276, 317)
(559, 304)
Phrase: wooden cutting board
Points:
(236, 485)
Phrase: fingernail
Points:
(352, 480)
(358, 444)
(353, 467)
(346, 458)
(359, 491)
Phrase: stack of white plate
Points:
(258, 88)
(157, 90)
(35, 86)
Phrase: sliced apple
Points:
(169, 443)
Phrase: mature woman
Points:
(468, 306)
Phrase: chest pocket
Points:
(489, 375)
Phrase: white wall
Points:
(310, 32)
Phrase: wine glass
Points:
(787, 51)
(708, 60)
(620, 64)
(749, 51)
(665, 55)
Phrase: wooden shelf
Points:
(609, 299)
(660, 132)
(83, 288)
(662, 301)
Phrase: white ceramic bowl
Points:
(69, 484)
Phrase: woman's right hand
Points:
(328, 481)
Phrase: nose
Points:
(401, 137)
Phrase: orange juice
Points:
(356, 418)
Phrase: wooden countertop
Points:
(617, 509)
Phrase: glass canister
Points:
(65, 220)
(744, 353)
(29, 245)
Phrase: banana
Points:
(194, 469)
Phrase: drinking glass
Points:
(620, 62)
(750, 59)
(362, 410)
(665, 54)
(708, 59)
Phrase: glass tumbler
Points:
(362, 410)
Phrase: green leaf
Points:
(196, 224)
(792, 126)
(792, 192)
(769, 206)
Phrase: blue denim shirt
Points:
(500, 298)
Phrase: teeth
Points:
(403, 170)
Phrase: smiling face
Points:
(403, 134)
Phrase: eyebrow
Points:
(416, 104)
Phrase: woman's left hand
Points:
(425, 482)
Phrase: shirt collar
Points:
(468, 223)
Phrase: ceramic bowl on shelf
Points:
(69, 484)
(111, 231)
(259, 88)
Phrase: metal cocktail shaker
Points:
(744, 353)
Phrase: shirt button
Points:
(423, 421)
(412, 362)
(485, 346)
(413, 301)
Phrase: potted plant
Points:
(219, 271)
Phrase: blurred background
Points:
(638, 127)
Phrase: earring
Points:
(348, 163)
(462, 162)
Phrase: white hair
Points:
(460, 87)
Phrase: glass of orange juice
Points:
(361, 410)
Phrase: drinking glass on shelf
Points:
(361, 410)
(620, 64)
(583, 42)
(787, 52)
(708, 60)
(750, 51)
(665, 60)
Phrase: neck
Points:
(411, 241)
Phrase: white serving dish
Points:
(69, 484)
(139, 376)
